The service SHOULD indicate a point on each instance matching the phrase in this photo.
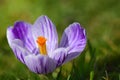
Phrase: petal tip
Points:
(42, 17)
(18, 23)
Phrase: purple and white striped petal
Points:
(22, 31)
(59, 56)
(43, 26)
(10, 35)
(74, 40)
(19, 50)
(40, 64)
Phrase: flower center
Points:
(41, 41)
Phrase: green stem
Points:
(91, 75)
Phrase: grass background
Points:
(101, 19)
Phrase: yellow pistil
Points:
(42, 45)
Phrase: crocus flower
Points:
(37, 47)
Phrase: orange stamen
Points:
(42, 45)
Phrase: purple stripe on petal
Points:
(35, 51)
(15, 52)
(22, 57)
(37, 70)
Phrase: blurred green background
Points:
(101, 19)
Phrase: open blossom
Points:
(37, 46)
